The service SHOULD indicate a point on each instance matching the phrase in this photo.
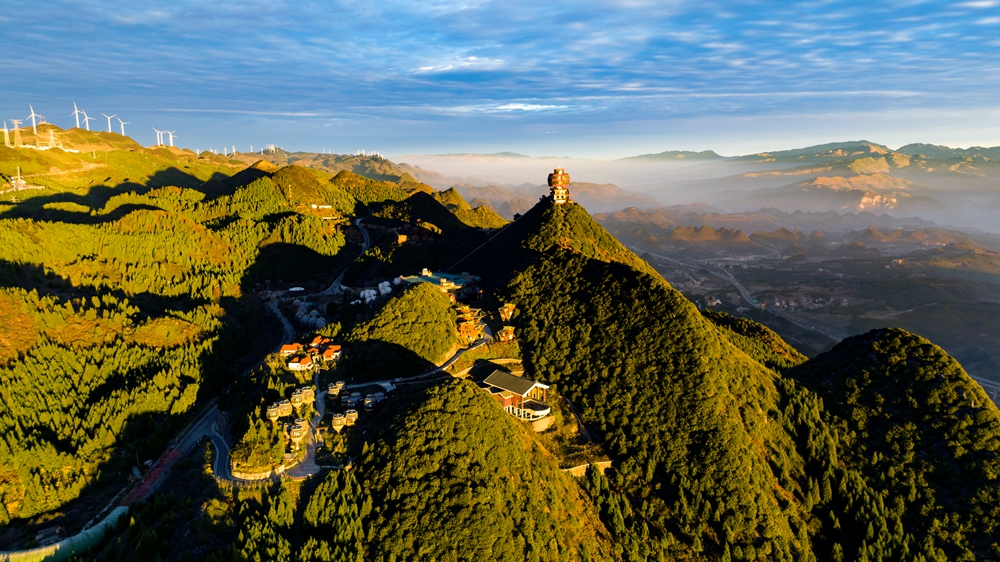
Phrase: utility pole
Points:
(17, 133)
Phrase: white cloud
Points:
(462, 63)
(529, 107)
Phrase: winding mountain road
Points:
(335, 287)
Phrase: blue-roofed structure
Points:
(456, 284)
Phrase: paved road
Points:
(308, 467)
(992, 388)
(335, 287)
(220, 467)
(286, 326)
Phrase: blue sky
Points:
(601, 79)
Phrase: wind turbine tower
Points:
(33, 116)
(159, 137)
(6, 135)
(109, 118)
(17, 132)
(77, 113)
(87, 119)
(122, 123)
(171, 135)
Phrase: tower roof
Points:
(558, 178)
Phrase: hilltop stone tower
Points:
(559, 186)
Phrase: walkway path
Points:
(308, 467)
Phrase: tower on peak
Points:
(559, 186)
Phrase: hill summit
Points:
(717, 455)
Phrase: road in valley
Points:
(749, 298)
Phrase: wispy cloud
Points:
(529, 107)
(404, 65)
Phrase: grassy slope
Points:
(421, 207)
(479, 217)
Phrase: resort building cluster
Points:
(460, 286)
(305, 358)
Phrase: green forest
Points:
(410, 333)
(134, 293)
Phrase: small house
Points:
(507, 311)
(332, 353)
(506, 334)
(469, 330)
(320, 341)
(290, 349)
(520, 397)
(300, 364)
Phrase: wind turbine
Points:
(87, 119)
(159, 137)
(109, 117)
(122, 123)
(6, 135)
(171, 135)
(33, 116)
(77, 113)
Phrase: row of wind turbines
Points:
(79, 115)
(86, 121)
(77, 112)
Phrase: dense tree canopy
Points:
(921, 433)
(454, 479)
(410, 332)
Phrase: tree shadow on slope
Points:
(243, 336)
(93, 198)
(296, 264)
(380, 360)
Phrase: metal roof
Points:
(506, 381)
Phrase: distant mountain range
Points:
(678, 155)
(769, 230)
(939, 184)
(864, 192)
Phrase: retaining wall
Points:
(72, 546)
(581, 470)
